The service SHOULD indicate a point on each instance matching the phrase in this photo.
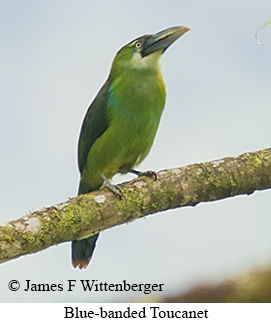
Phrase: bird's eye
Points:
(138, 45)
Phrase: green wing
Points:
(94, 125)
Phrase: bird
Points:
(120, 124)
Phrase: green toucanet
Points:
(120, 124)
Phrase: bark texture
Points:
(87, 214)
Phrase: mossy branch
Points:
(90, 213)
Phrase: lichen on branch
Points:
(88, 214)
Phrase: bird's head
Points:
(145, 51)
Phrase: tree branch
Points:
(87, 214)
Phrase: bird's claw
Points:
(149, 173)
(113, 188)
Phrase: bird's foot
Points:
(113, 188)
(149, 173)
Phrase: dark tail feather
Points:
(82, 251)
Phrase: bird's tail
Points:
(82, 251)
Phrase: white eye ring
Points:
(138, 45)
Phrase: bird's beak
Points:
(163, 39)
